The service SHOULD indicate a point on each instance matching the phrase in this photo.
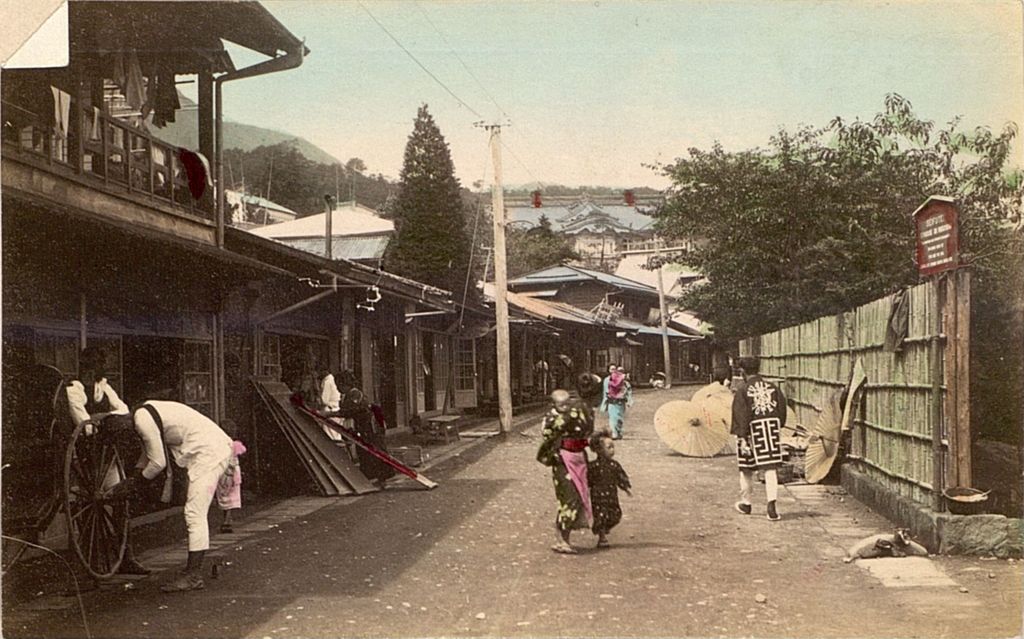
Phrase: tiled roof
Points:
(547, 310)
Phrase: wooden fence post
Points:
(936, 395)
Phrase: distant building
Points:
(607, 319)
(249, 211)
(601, 229)
(358, 233)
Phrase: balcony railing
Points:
(109, 150)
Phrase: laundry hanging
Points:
(135, 88)
(897, 325)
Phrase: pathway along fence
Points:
(911, 429)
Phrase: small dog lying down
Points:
(898, 544)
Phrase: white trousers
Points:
(197, 505)
(771, 484)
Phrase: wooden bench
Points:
(443, 426)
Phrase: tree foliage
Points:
(282, 174)
(536, 248)
(430, 242)
(819, 221)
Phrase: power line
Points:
(521, 163)
(418, 63)
(461, 61)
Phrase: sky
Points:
(591, 93)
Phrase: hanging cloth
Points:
(118, 74)
(61, 110)
(135, 88)
(165, 101)
(897, 325)
(197, 168)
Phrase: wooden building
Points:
(114, 237)
(602, 319)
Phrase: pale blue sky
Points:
(596, 89)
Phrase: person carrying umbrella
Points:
(758, 415)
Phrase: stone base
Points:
(942, 533)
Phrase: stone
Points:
(481, 615)
(759, 598)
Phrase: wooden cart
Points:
(51, 467)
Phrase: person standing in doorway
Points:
(198, 445)
(758, 415)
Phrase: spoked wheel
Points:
(97, 525)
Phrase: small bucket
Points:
(965, 501)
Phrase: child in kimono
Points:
(567, 426)
(229, 488)
(606, 477)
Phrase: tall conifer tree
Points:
(430, 242)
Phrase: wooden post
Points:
(961, 343)
(936, 396)
(500, 286)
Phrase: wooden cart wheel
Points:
(97, 526)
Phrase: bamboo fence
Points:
(894, 419)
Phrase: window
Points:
(197, 376)
(440, 363)
(270, 356)
(421, 374)
(58, 349)
(465, 367)
(111, 346)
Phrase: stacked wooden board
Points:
(328, 464)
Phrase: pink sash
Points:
(576, 464)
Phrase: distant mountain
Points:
(184, 131)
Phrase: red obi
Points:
(574, 445)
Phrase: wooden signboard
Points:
(938, 238)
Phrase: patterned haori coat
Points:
(758, 415)
(606, 477)
(576, 422)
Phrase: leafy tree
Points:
(536, 248)
(281, 173)
(819, 221)
(430, 243)
(355, 165)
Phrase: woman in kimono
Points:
(566, 429)
(618, 395)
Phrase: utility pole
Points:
(665, 350)
(328, 239)
(500, 284)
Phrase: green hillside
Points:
(184, 131)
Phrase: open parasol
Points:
(718, 401)
(692, 429)
(823, 443)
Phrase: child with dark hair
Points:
(606, 477)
